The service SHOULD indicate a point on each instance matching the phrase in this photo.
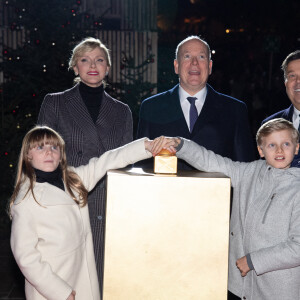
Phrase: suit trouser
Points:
(232, 296)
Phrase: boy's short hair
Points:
(276, 125)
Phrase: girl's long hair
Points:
(39, 136)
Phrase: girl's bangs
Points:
(43, 138)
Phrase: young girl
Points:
(51, 234)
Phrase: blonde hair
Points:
(276, 125)
(39, 136)
(87, 45)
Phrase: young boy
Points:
(264, 254)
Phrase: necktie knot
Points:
(193, 112)
(192, 100)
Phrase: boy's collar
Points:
(291, 170)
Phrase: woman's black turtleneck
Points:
(92, 98)
(54, 177)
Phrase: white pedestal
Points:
(166, 236)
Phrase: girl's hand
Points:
(160, 143)
(72, 296)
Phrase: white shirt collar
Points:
(296, 117)
(201, 95)
(185, 104)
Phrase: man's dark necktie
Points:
(193, 112)
(299, 125)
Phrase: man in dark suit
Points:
(291, 72)
(194, 110)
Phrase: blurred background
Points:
(249, 40)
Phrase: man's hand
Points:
(242, 265)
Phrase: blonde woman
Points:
(91, 122)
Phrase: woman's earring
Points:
(106, 73)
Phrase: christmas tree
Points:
(38, 65)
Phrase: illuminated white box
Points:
(166, 236)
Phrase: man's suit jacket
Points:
(288, 115)
(285, 114)
(66, 113)
(222, 125)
